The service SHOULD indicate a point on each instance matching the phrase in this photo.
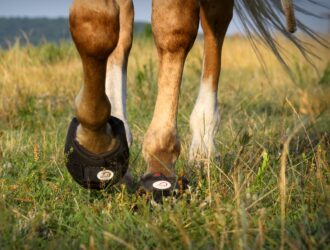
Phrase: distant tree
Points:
(41, 30)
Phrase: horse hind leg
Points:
(116, 78)
(205, 117)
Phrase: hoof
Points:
(201, 162)
(97, 171)
(161, 186)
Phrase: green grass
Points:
(238, 207)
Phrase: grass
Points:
(270, 188)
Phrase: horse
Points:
(99, 136)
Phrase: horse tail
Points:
(263, 19)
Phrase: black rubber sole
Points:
(97, 171)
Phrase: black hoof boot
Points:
(97, 171)
(161, 186)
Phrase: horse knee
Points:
(175, 25)
(94, 26)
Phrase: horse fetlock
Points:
(161, 149)
(92, 114)
(204, 124)
(202, 148)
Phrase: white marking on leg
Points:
(204, 123)
(116, 91)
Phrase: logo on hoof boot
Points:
(161, 185)
(105, 175)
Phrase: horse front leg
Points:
(94, 27)
(175, 25)
(96, 146)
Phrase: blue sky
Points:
(60, 8)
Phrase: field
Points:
(270, 187)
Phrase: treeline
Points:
(40, 30)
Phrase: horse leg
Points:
(94, 27)
(205, 117)
(175, 25)
(116, 76)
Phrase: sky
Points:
(60, 8)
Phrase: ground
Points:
(248, 198)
